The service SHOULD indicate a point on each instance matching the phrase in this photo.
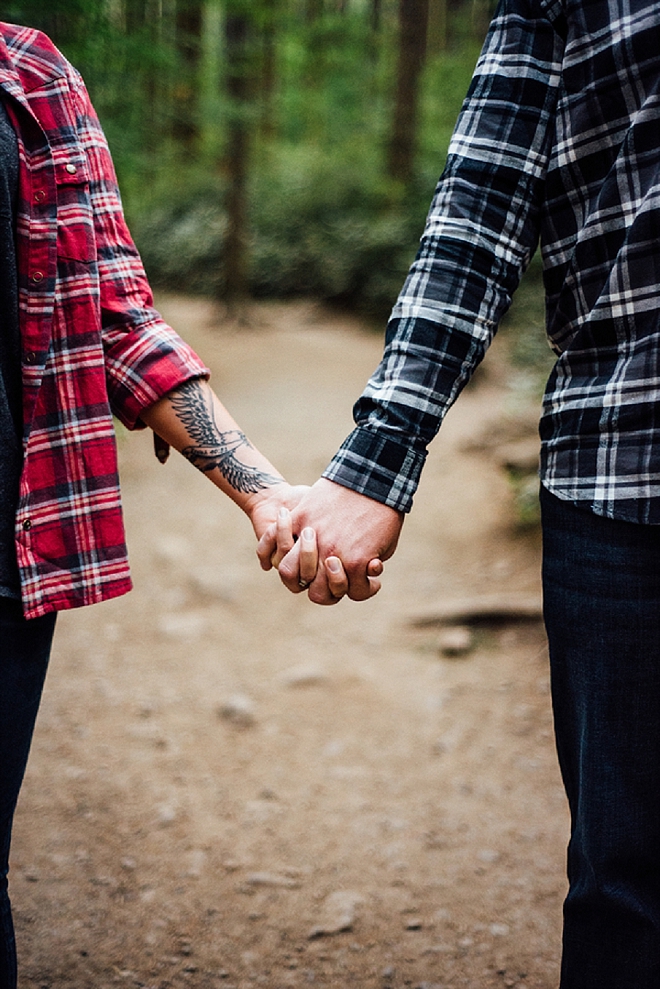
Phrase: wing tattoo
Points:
(214, 447)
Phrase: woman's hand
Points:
(263, 509)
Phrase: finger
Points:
(337, 579)
(289, 569)
(284, 536)
(267, 546)
(375, 568)
(360, 586)
(330, 586)
(374, 586)
(309, 557)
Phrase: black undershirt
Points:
(11, 418)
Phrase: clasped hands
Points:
(331, 543)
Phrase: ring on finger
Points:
(304, 584)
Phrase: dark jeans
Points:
(24, 653)
(601, 583)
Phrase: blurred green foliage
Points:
(323, 217)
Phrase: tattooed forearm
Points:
(213, 447)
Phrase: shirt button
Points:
(30, 357)
(27, 525)
(39, 196)
(71, 169)
(37, 276)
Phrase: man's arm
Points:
(481, 231)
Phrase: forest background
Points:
(278, 148)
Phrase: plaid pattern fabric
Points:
(558, 141)
(92, 343)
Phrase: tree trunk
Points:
(313, 10)
(480, 16)
(135, 12)
(116, 14)
(237, 37)
(437, 30)
(189, 48)
(268, 69)
(413, 26)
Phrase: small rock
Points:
(414, 925)
(165, 815)
(305, 675)
(172, 549)
(333, 748)
(184, 625)
(212, 582)
(271, 879)
(196, 863)
(338, 913)
(455, 641)
(103, 881)
(239, 710)
(499, 930)
(112, 632)
(488, 855)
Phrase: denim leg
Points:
(601, 582)
(24, 653)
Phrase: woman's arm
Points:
(194, 421)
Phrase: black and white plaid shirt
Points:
(558, 141)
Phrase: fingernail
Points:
(308, 534)
(283, 513)
(333, 564)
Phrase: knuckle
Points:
(288, 582)
(286, 571)
(319, 597)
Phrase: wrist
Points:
(254, 500)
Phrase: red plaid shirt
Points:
(92, 343)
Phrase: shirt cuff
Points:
(378, 466)
(151, 376)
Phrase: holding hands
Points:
(328, 540)
(333, 543)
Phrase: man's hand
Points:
(349, 527)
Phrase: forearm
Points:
(195, 422)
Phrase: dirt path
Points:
(221, 770)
